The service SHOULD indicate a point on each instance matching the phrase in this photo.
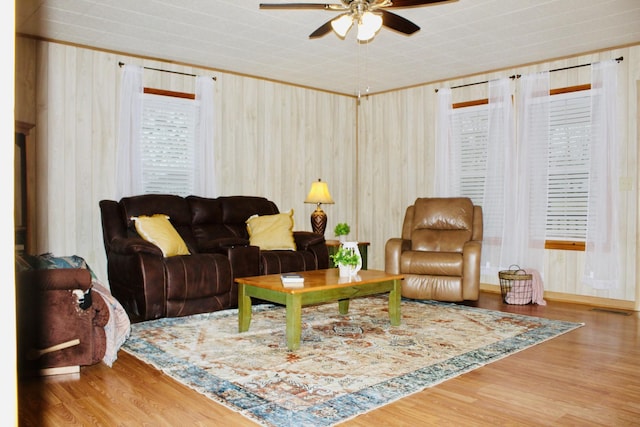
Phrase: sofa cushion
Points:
(272, 232)
(431, 263)
(175, 207)
(158, 230)
(207, 223)
(237, 209)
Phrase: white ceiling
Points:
(456, 39)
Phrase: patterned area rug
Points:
(346, 364)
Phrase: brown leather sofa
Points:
(150, 286)
(60, 321)
(439, 251)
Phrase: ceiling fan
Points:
(369, 15)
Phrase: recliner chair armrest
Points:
(392, 251)
(472, 250)
(134, 245)
(58, 279)
(471, 253)
(101, 317)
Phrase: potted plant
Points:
(347, 259)
(341, 230)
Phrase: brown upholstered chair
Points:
(60, 321)
(439, 251)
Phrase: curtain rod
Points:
(517, 76)
(121, 64)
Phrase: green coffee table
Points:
(319, 286)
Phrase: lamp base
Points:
(318, 221)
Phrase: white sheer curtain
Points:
(602, 260)
(128, 154)
(128, 165)
(446, 174)
(526, 203)
(500, 176)
(205, 176)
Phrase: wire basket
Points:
(516, 286)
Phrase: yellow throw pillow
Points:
(158, 230)
(272, 232)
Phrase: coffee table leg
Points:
(244, 309)
(394, 303)
(343, 306)
(294, 320)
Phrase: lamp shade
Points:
(368, 26)
(319, 193)
(342, 24)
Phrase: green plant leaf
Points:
(345, 256)
(342, 229)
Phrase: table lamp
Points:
(319, 194)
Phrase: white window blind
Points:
(470, 133)
(168, 135)
(569, 162)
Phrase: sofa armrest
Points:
(222, 245)
(305, 239)
(133, 245)
(244, 260)
(314, 243)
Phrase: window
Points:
(568, 161)
(168, 135)
(470, 129)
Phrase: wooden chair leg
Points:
(60, 370)
(34, 353)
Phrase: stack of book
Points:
(292, 280)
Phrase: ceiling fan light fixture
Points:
(370, 15)
(368, 25)
(342, 25)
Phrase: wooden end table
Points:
(319, 286)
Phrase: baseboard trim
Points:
(574, 299)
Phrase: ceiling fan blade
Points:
(323, 30)
(301, 6)
(398, 23)
(397, 4)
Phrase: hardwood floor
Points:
(587, 377)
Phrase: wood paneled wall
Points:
(396, 137)
(273, 140)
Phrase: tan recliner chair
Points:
(439, 252)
